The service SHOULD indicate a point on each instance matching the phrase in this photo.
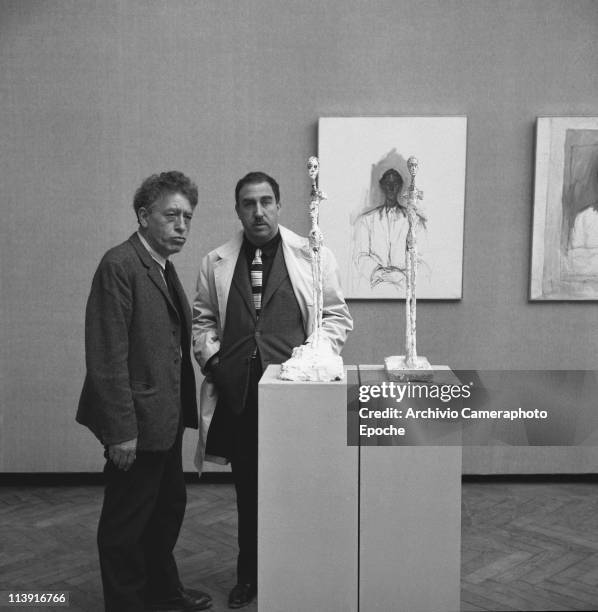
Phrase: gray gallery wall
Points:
(95, 96)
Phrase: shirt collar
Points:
(268, 249)
(161, 261)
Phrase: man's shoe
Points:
(188, 600)
(242, 595)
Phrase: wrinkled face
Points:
(258, 212)
(313, 167)
(391, 186)
(165, 224)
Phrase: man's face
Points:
(165, 224)
(391, 186)
(258, 212)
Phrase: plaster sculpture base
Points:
(397, 369)
(314, 363)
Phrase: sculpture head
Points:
(313, 167)
(412, 166)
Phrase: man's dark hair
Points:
(257, 177)
(391, 172)
(158, 186)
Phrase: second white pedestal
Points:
(410, 522)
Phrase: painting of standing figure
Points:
(364, 172)
(565, 233)
(380, 234)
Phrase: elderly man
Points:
(253, 306)
(138, 396)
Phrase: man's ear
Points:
(142, 215)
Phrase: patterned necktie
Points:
(257, 275)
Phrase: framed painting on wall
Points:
(565, 226)
(364, 175)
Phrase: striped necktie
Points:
(257, 274)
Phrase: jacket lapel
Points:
(224, 268)
(297, 258)
(178, 287)
(242, 284)
(152, 270)
(277, 274)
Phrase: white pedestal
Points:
(410, 524)
(339, 524)
(308, 498)
(410, 528)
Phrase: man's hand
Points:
(213, 362)
(123, 453)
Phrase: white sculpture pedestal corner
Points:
(308, 497)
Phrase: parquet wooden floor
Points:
(48, 542)
(526, 545)
(529, 546)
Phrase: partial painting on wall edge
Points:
(564, 262)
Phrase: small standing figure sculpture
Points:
(410, 366)
(315, 360)
(316, 240)
(413, 195)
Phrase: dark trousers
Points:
(244, 470)
(140, 522)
